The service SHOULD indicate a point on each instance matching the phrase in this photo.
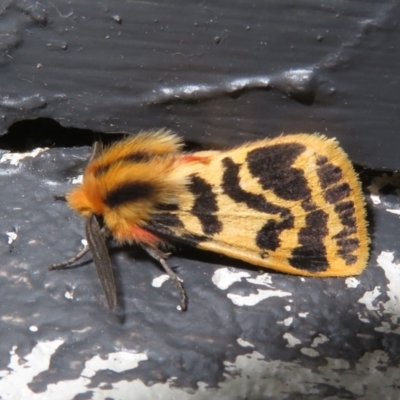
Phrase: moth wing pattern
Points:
(293, 204)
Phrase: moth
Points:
(293, 204)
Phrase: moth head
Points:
(86, 199)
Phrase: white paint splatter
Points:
(369, 298)
(262, 279)
(392, 306)
(33, 328)
(225, 277)
(77, 180)
(375, 199)
(19, 373)
(248, 376)
(386, 327)
(309, 352)
(371, 378)
(15, 158)
(292, 341)
(158, 282)
(363, 319)
(288, 308)
(12, 236)
(286, 322)
(244, 343)
(393, 211)
(319, 340)
(303, 314)
(379, 183)
(119, 361)
(69, 295)
(253, 299)
(352, 282)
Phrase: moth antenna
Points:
(159, 256)
(97, 245)
(96, 150)
(75, 258)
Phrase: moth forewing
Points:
(101, 259)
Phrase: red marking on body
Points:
(139, 235)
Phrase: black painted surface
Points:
(191, 346)
(218, 75)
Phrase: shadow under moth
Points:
(293, 203)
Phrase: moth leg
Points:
(61, 197)
(67, 263)
(158, 255)
(79, 255)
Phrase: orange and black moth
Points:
(293, 204)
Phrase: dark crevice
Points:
(29, 134)
(45, 132)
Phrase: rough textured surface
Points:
(218, 75)
(338, 334)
